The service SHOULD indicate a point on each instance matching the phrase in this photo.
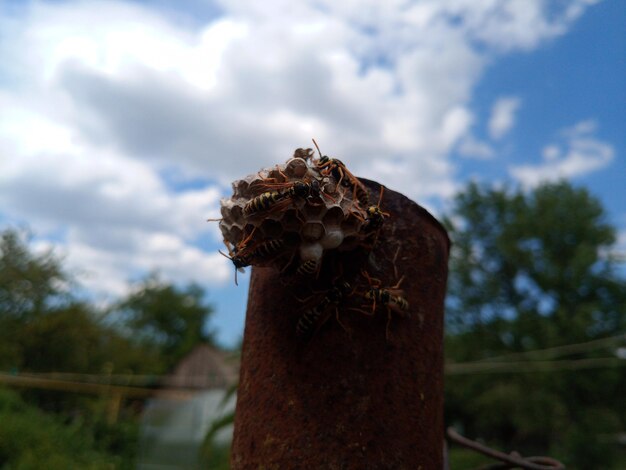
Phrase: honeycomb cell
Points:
(236, 213)
(311, 251)
(312, 231)
(235, 234)
(277, 175)
(292, 239)
(350, 243)
(240, 187)
(329, 187)
(333, 238)
(271, 228)
(313, 211)
(351, 225)
(296, 168)
(334, 216)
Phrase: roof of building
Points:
(205, 367)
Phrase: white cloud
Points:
(619, 253)
(471, 147)
(515, 24)
(103, 101)
(116, 210)
(579, 153)
(502, 117)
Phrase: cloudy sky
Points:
(122, 123)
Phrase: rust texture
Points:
(353, 396)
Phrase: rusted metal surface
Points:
(353, 399)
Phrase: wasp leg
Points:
(340, 323)
(393, 262)
(388, 323)
(397, 286)
(242, 244)
(364, 312)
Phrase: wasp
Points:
(267, 248)
(375, 215)
(243, 255)
(312, 319)
(341, 174)
(282, 195)
(308, 268)
(304, 154)
(246, 256)
(240, 260)
(392, 298)
(238, 255)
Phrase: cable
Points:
(82, 387)
(560, 350)
(531, 366)
(128, 379)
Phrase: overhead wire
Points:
(130, 384)
(560, 350)
(531, 366)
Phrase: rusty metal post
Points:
(350, 399)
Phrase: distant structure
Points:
(203, 368)
(173, 429)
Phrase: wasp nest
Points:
(290, 215)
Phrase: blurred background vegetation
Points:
(535, 317)
(535, 340)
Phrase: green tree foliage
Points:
(45, 327)
(170, 319)
(531, 271)
(31, 439)
(29, 284)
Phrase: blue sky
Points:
(123, 123)
(576, 77)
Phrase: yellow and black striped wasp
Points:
(309, 268)
(239, 260)
(245, 254)
(313, 318)
(343, 177)
(375, 215)
(278, 196)
(390, 297)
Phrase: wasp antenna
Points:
(317, 147)
(224, 255)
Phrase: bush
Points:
(30, 439)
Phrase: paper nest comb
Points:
(294, 229)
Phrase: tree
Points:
(531, 271)
(170, 319)
(29, 283)
(45, 328)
